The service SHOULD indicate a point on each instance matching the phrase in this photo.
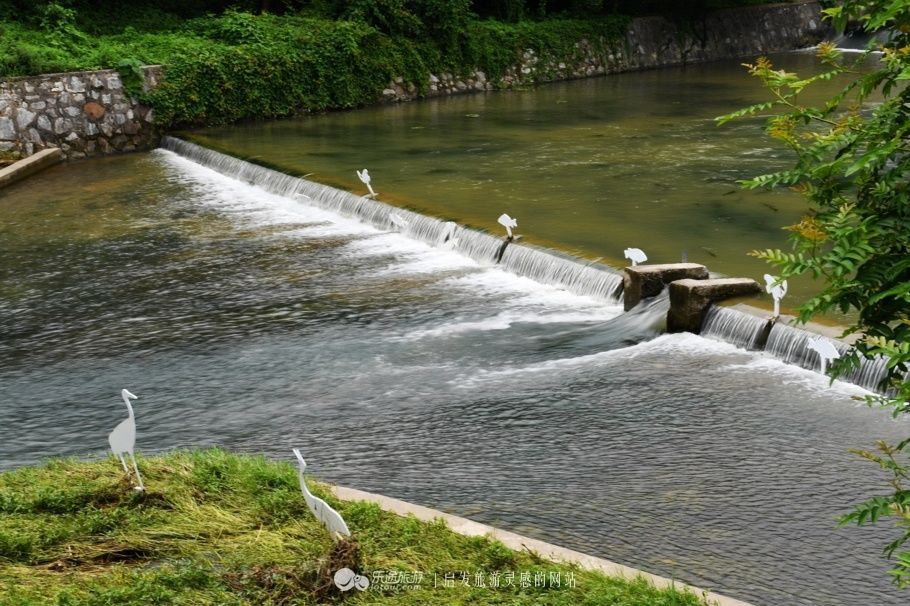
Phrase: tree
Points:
(853, 166)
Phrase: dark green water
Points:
(591, 166)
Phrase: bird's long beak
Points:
(129, 394)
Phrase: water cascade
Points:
(733, 326)
(539, 265)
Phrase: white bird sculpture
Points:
(330, 518)
(507, 222)
(123, 438)
(365, 178)
(825, 349)
(398, 221)
(636, 255)
(776, 290)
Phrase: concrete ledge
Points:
(518, 542)
(689, 299)
(643, 281)
(29, 166)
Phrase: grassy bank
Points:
(218, 528)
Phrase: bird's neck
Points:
(129, 407)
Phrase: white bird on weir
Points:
(825, 349)
(507, 222)
(777, 291)
(365, 178)
(330, 518)
(636, 255)
(123, 438)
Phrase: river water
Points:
(260, 322)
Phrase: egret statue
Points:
(507, 222)
(123, 438)
(825, 349)
(777, 290)
(398, 221)
(365, 178)
(330, 518)
(636, 255)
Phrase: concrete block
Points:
(689, 299)
(29, 166)
(643, 281)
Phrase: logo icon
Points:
(346, 579)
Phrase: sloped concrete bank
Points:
(518, 542)
(90, 113)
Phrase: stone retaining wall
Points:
(82, 113)
(649, 42)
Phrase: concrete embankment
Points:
(30, 166)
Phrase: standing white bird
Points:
(635, 255)
(330, 518)
(123, 438)
(507, 222)
(777, 291)
(365, 178)
(825, 349)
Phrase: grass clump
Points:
(219, 528)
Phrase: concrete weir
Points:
(644, 281)
(689, 299)
(29, 166)
(518, 542)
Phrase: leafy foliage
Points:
(853, 166)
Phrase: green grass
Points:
(219, 528)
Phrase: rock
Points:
(76, 85)
(71, 111)
(7, 131)
(24, 118)
(643, 281)
(44, 123)
(94, 111)
(689, 299)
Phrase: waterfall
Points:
(733, 326)
(790, 344)
(540, 265)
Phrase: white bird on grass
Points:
(507, 222)
(365, 178)
(123, 438)
(329, 518)
(825, 349)
(777, 291)
(636, 255)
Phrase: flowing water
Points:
(246, 315)
(591, 166)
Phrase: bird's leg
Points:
(125, 468)
(138, 477)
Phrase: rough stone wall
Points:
(649, 42)
(82, 113)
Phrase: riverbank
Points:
(216, 527)
(240, 66)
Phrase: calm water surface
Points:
(590, 166)
(258, 323)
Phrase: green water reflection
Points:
(590, 166)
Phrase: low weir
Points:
(547, 267)
(745, 330)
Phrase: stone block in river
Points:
(689, 299)
(643, 281)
